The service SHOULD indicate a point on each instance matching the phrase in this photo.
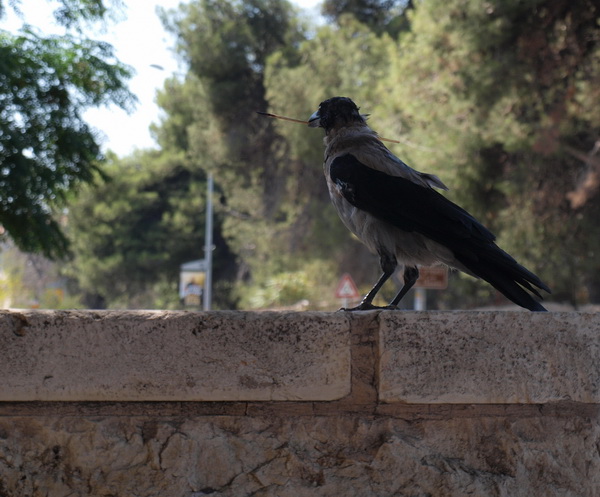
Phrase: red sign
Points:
(432, 277)
(346, 288)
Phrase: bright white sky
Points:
(141, 42)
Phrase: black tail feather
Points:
(507, 276)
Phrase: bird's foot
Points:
(367, 306)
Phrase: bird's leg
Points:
(388, 265)
(411, 275)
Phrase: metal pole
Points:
(208, 244)
(420, 299)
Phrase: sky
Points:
(140, 42)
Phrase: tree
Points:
(497, 97)
(211, 117)
(131, 234)
(347, 59)
(381, 16)
(277, 214)
(226, 44)
(47, 150)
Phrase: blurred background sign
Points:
(432, 277)
(346, 290)
(192, 276)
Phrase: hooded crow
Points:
(395, 211)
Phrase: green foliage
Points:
(380, 16)
(498, 98)
(74, 14)
(227, 44)
(47, 151)
(311, 285)
(466, 91)
(491, 100)
(132, 233)
(345, 60)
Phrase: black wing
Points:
(411, 207)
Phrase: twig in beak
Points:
(275, 116)
(282, 117)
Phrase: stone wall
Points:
(380, 403)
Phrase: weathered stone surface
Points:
(152, 356)
(298, 457)
(489, 357)
(489, 404)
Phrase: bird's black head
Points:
(335, 112)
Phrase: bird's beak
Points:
(314, 121)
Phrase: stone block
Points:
(173, 356)
(489, 357)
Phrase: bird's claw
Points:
(366, 306)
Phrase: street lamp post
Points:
(208, 245)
